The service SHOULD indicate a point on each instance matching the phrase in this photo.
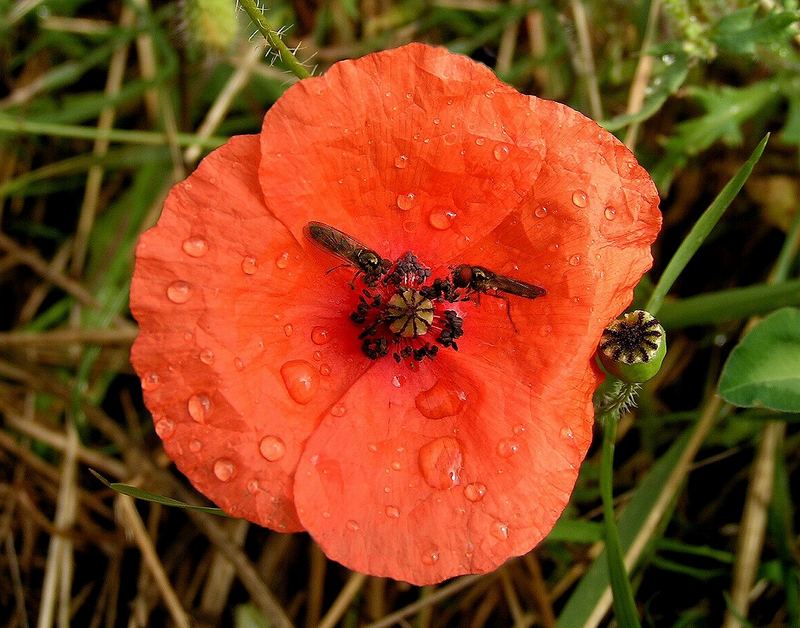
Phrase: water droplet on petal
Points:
(579, 198)
(249, 265)
(610, 213)
(575, 260)
(300, 379)
(272, 448)
(440, 401)
(396, 465)
(499, 530)
(507, 448)
(282, 261)
(430, 557)
(398, 381)
(405, 201)
(150, 381)
(320, 336)
(287, 330)
(224, 469)
(199, 406)
(540, 212)
(252, 487)
(352, 525)
(338, 410)
(519, 429)
(436, 121)
(317, 355)
(480, 141)
(372, 447)
(179, 291)
(392, 512)
(474, 492)
(440, 462)
(238, 363)
(195, 246)
(207, 356)
(195, 446)
(489, 94)
(326, 514)
(450, 138)
(501, 152)
(164, 428)
(401, 162)
(441, 219)
(567, 433)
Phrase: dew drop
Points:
(199, 406)
(489, 94)
(440, 401)
(398, 381)
(396, 465)
(519, 429)
(501, 152)
(282, 261)
(392, 512)
(474, 492)
(325, 369)
(409, 95)
(151, 381)
(579, 198)
(287, 330)
(507, 448)
(352, 525)
(300, 380)
(499, 530)
(179, 291)
(440, 462)
(195, 246)
(338, 410)
(567, 433)
(401, 161)
(249, 265)
(317, 355)
(207, 356)
(405, 201)
(480, 141)
(430, 557)
(326, 514)
(272, 448)
(575, 260)
(252, 487)
(224, 469)
(372, 447)
(238, 363)
(436, 121)
(450, 138)
(164, 428)
(540, 212)
(610, 213)
(195, 446)
(320, 336)
(441, 219)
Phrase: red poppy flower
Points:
(409, 464)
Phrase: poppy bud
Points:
(633, 347)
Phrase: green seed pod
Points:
(633, 347)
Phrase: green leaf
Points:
(576, 531)
(764, 368)
(739, 32)
(138, 493)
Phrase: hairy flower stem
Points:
(618, 401)
(273, 38)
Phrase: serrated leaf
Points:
(764, 368)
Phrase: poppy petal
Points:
(232, 369)
(415, 142)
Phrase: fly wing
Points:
(334, 241)
(516, 287)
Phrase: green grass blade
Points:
(702, 228)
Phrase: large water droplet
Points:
(401, 161)
(405, 201)
(199, 406)
(164, 428)
(179, 291)
(501, 152)
(440, 401)
(610, 213)
(499, 530)
(282, 261)
(272, 448)
(441, 219)
(207, 356)
(392, 512)
(430, 557)
(151, 381)
(320, 336)
(575, 260)
(440, 462)
(195, 246)
(474, 492)
(300, 379)
(507, 447)
(224, 469)
(249, 265)
(579, 198)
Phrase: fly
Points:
(348, 249)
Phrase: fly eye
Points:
(462, 276)
(370, 259)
